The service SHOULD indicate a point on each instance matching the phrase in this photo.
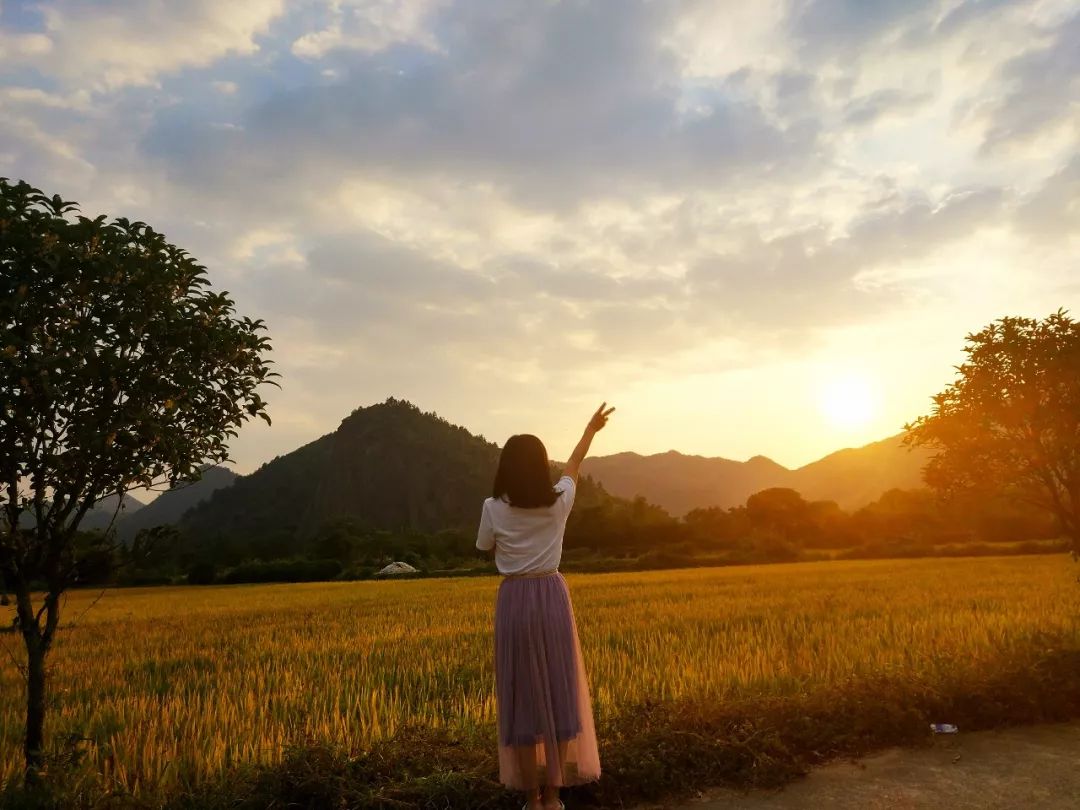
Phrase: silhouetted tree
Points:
(901, 515)
(715, 528)
(202, 573)
(828, 526)
(119, 369)
(152, 547)
(780, 510)
(338, 540)
(1010, 422)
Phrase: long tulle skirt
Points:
(545, 715)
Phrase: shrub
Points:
(296, 570)
(202, 573)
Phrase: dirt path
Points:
(1034, 767)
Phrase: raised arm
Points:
(596, 424)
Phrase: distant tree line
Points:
(778, 525)
(604, 533)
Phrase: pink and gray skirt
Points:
(541, 690)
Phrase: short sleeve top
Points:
(526, 540)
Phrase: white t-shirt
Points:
(526, 540)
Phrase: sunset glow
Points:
(848, 402)
(687, 209)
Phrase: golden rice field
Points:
(176, 684)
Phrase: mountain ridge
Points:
(680, 482)
(104, 513)
(169, 507)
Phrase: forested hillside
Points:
(388, 467)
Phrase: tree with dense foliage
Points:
(1010, 423)
(119, 369)
(779, 509)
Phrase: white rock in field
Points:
(396, 568)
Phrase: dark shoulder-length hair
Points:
(524, 478)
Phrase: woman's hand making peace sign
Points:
(599, 419)
(596, 423)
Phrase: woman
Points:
(546, 733)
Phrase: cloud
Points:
(1054, 210)
(1040, 91)
(551, 103)
(833, 29)
(368, 25)
(968, 13)
(873, 107)
(20, 47)
(38, 133)
(362, 289)
(804, 279)
(918, 225)
(107, 45)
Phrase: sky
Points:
(754, 228)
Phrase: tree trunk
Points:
(37, 645)
(34, 745)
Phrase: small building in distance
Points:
(396, 569)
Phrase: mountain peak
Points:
(760, 460)
(388, 465)
(389, 406)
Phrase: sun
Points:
(848, 402)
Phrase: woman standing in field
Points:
(546, 734)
